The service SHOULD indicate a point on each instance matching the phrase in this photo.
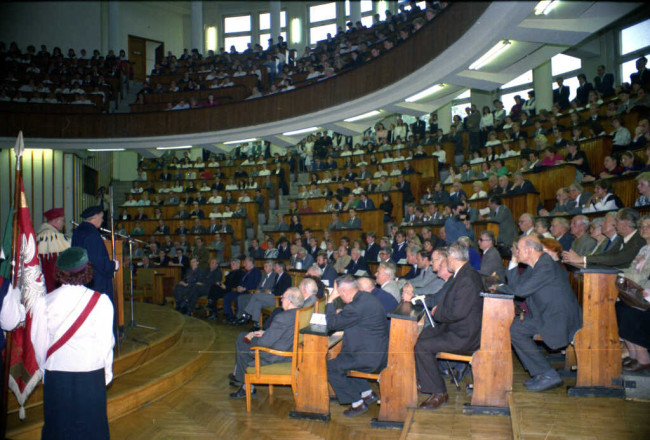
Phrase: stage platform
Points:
(151, 364)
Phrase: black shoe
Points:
(212, 317)
(255, 327)
(372, 398)
(236, 383)
(353, 412)
(241, 393)
(242, 321)
(545, 381)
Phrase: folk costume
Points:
(51, 242)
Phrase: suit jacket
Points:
(267, 281)
(399, 253)
(614, 246)
(460, 312)
(385, 298)
(227, 229)
(352, 223)
(620, 259)
(367, 204)
(426, 282)
(566, 241)
(335, 225)
(372, 252)
(393, 288)
(507, 227)
(284, 253)
(213, 228)
(360, 264)
(604, 86)
(251, 279)
(281, 284)
(413, 272)
(405, 188)
(553, 306)
(561, 97)
(576, 208)
(365, 332)
(491, 263)
(219, 247)
(279, 336)
(526, 187)
(257, 254)
(584, 245)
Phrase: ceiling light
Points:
(301, 131)
(546, 6)
(104, 150)
(490, 55)
(185, 147)
(363, 116)
(424, 93)
(243, 141)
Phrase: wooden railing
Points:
(428, 43)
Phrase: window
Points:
(629, 67)
(211, 38)
(237, 24)
(465, 95)
(264, 39)
(323, 12)
(240, 43)
(319, 33)
(265, 20)
(524, 78)
(564, 63)
(367, 21)
(635, 37)
(458, 109)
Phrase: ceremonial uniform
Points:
(76, 374)
(87, 236)
(51, 243)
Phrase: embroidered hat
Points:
(54, 213)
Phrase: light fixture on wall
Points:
(491, 54)
(301, 131)
(424, 93)
(184, 147)
(363, 116)
(105, 150)
(546, 6)
(242, 141)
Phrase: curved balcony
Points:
(145, 130)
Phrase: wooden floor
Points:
(201, 409)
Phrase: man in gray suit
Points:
(503, 216)
(614, 241)
(385, 278)
(427, 281)
(583, 243)
(578, 198)
(336, 223)
(554, 311)
(353, 222)
(263, 288)
(491, 262)
(219, 246)
(279, 336)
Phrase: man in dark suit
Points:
(180, 260)
(560, 230)
(357, 263)
(353, 222)
(491, 262)
(202, 287)
(365, 202)
(372, 251)
(364, 347)
(181, 230)
(279, 336)
(225, 228)
(284, 252)
(251, 305)
(503, 216)
(561, 94)
(458, 328)
(412, 259)
(642, 75)
(604, 82)
(405, 187)
(249, 281)
(521, 186)
(385, 298)
(582, 93)
(554, 311)
(399, 247)
(184, 288)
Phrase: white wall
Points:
(153, 21)
(65, 24)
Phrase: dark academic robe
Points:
(88, 237)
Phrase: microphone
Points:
(74, 223)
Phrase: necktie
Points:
(609, 243)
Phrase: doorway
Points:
(143, 54)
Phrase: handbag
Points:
(631, 293)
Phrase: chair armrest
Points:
(268, 350)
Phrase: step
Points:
(142, 384)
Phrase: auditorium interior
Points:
(247, 125)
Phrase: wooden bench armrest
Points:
(334, 339)
(454, 357)
(363, 375)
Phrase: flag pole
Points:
(14, 275)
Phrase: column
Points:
(114, 37)
(355, 11)
(196, 26)
(276, 10)
(543, 86)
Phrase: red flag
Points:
(24, 374)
